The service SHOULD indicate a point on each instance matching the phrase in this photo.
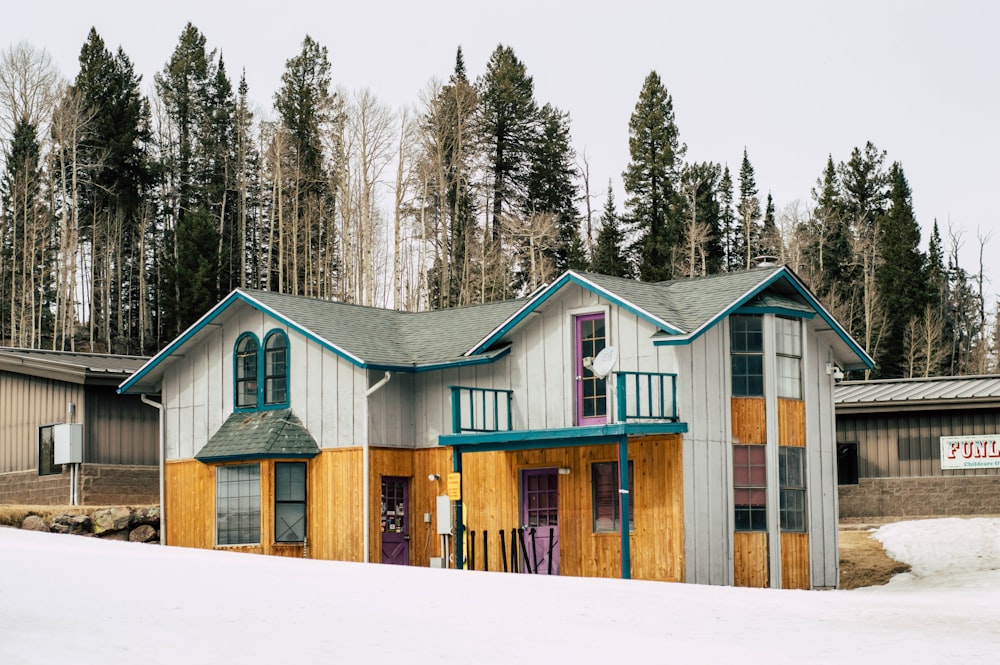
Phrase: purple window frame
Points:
(590, 346)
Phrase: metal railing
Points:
(646, 396)
(480, 409)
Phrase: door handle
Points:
(406, 536)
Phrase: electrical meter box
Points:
(68, 443)
(443, 515)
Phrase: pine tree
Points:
(728, 224)
(831, 248)
(748, 242)
(702, 251)
(901, 276)
(611, 256)
(770, 243)
(115, 179)
(651, 180)
(508, 128)
(552, 187)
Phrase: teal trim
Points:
(556, 438)
(782, 273)
(623, 512)
(549, 291)
(236, 392)
(778, 311)
(262, 396)
(255, 456)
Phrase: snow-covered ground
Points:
(68, 599)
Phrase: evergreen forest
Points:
(126, 216)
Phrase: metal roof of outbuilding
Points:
(941, 392)
(90, 368)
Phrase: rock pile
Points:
(138, 525)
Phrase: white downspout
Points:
(365, 470)
(163, 509)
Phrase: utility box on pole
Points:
(67, 441)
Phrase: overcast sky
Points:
(791, 81)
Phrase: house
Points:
(918, 447)
(40, 390)
(299, 427)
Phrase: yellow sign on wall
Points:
(455, 486)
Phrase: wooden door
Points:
(396, 520)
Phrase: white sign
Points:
(970, 452)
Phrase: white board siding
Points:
(821, 463)
(326, 392)
(703, 391)
(390, 409)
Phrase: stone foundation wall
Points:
(100, 485)
(920, 497)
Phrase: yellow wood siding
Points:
(190, 503)
(750, 567)
(334, 505)
(748, 420)
(795, 561)
(491, 495)
(792, 422)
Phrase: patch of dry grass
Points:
(863, 562)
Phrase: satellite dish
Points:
(604, 362)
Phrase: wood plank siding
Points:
(791, 422)
(748, 420)
(491, 499)
(750, 567)
(795, 561)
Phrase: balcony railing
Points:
(480, 409)
(646, 396)
(639, 395)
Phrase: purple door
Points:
(396, 521)
(591, 390)
(540, 520)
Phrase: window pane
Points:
(237, 504)
(276, 369)
(749, 487)
(789, 337)
(47, 452)
(604, 478)
(789, 377)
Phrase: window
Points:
(847, 463)
(47, 452)
(250, 365)
(604, 479)
(276, 369)
(237, 504)
(592, 402)
(788, 348)
(747, 353)
(246, 372)
(792, 483)
(749, 488)
(289, 502)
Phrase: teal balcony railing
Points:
(646, 396)
(480, 409)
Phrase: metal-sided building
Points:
(700, 409)
(890, 455)
(40, 390)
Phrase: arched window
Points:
(276, 369)
(246, 361)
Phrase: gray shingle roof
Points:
(260, 434)
(388, 337)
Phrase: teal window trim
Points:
(241, 367)
(274, 395)
(268, 396)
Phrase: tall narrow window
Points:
(747, 353)
(792, 479)
(289, 502)
(591, 391)
(749, 488)
(246, 372)
(47, 452)
(788, 348)
(606, 502)
(237, 504)
(276, 369)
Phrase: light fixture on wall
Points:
(835, 372)
(433, 477)
(564, 471)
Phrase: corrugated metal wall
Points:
(906, 444)
(120, 429)
(26, 403)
